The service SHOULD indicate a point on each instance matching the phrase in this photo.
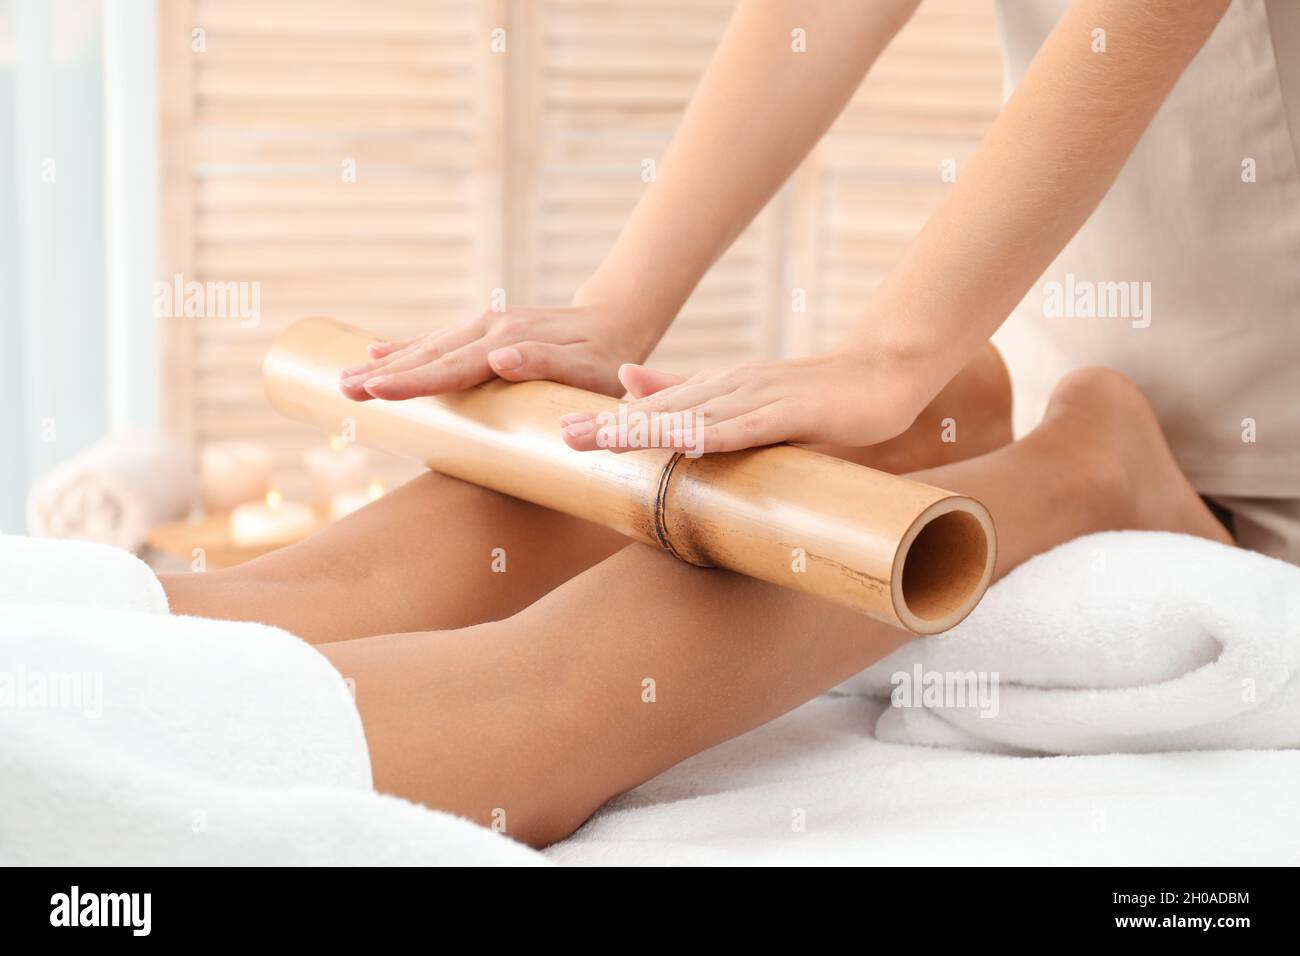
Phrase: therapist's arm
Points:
(1050, 157)
(1045, 165)
(759, 109)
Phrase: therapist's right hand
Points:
(581, 346)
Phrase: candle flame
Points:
(274, 498)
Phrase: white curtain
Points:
(77, 182)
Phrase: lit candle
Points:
(231, 473)
(270, 523)
(339, 468)
(346, 502)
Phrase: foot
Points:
(1103, 423)
(971, 416)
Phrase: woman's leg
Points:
(642, 661)
(426, 556)
(422, 557)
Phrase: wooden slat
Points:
(320, 152)
(342, 18)
(443, 114)
(373, 257)
(434, 84)
(343, 52)
(444, 193)
(322, 292)
(316, 224)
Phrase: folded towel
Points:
(114, 492)
(1117, 642)
(129, 736)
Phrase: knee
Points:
(1097, 380)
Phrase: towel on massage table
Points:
(1121, 642)
(222, 742)
(817, 788)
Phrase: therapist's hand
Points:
(842, 398)
(581, 346)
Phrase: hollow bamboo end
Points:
(943, 565)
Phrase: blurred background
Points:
(390, 163)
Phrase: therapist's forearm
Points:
(1050, 157)
(760, 108)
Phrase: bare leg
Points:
(419, 558)
(544, 716)
(422, 558)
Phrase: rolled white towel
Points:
(114, 492)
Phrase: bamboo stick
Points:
(900, 551)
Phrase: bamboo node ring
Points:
(661, 510)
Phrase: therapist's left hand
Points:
(841, 398)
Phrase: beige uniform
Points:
(1186, 278)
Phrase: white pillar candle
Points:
(338, 468)
(346, 502)
(271, 522)
(231, 473)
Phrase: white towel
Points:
(49, 573)
(233, 743)
(114, 492)
(1119, 642)
(131, 736)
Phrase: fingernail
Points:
(572, 417)
(377, 346)
(375, 382)
(351, 370)
(579, 429)
(505, 359)
(354, 380)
